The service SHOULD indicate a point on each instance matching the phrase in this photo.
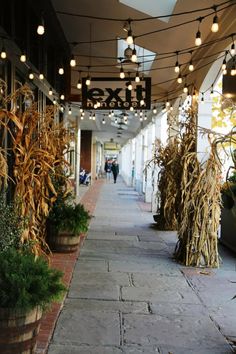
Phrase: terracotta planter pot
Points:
(19, 330)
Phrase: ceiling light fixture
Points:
(50, 92)
(69, 111)
(62, 97)
(154, 110)
(41, 76)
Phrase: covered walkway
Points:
(128, 296)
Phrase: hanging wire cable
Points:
(144, 18)
(161, 29)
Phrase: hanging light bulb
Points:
(3, 53)
(103, 121)
(81, 110)
(215, 24)
(98, 104)
(163, 109)
(116, 121)
(129, 38)
(185, 89)
(31, 75)
(79, 84)
(112, 113)
(129, 85)
(131, 108)
(141, 113)
(94, 116)
(82, 114)
(61, 71)
(95, 106)
(141, 118)
(171, 108)
(177, 67)
(23, 57)
(194, 94)
(212, 92)
(137, 78)
(167, 103)
(88, 80)
(191, 67)
(50, 92)
(41, 76)
(179, 79)
(109, 114)
(232, 49)
(90, 116)
(72, 61)
(70, 111)
(198, 40)
(224, 72)
(122, 74)
(145, 116)
(61, 108)
(134, 56)
(233, 70)
(224, 64)
(154, 110)
(54, 101)
(82, 117)
(62, 97)
(142, 102)
(136, 113)
(40, 28)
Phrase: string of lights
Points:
(143, 18)
(130, 37)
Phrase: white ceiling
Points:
(78, 30)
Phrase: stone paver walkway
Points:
(128, 296)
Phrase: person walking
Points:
(115, 170)
(107, 169)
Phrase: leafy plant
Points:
(12, 226)
(69, 217)
(26, 281)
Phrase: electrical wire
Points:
(157, 31)
(144, 18)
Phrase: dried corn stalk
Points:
(200, 212)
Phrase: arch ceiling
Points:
(102, 55)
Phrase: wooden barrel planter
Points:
(64, 242)
(19, 330)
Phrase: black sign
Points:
(113, 93)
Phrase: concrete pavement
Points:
(129, 296)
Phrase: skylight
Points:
(145, 63)
(152, 7)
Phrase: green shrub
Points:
(11, 226)
(26, 281)
(69, 217)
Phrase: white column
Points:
(77, 156)
(149, 171)
(204, 120)
(138, 171)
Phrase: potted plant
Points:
(27, 286)
(66, 222)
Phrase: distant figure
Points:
(115, 170)
(107, 169)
